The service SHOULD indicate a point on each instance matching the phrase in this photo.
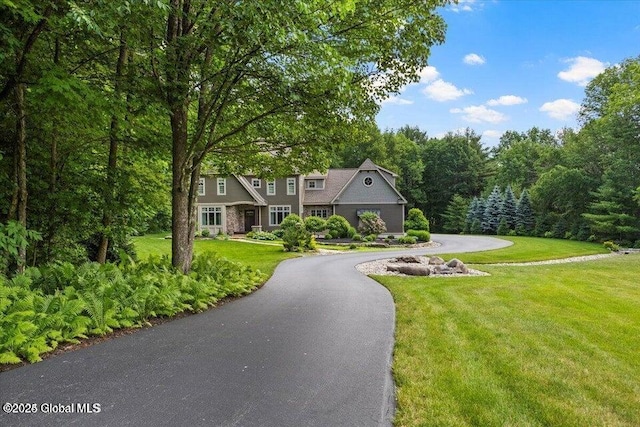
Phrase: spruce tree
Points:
(473, 205)
(525, 220)
(492, 211)
(509, 208)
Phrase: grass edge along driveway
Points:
(531, 345)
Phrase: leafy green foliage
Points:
(407, 240)
(41, 309)
(315, 224)
(421, 235)
(455, 217)
(416, 220)
(371, 223)
(297, 238)
(291, 221)
(13, 238)
(339, 227)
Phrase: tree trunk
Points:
(21, 167)
(114, 136)
(182, 230)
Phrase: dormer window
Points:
(314, 184)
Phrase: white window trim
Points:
(201, 186)
(291, 185)
(271, 187)
(274, 208)
(216, 227)
(254, 181)
(318, 184)
(222, 181)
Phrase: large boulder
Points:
(436, 260)
(409, 269)
(457, 266)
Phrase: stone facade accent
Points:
(235, 219)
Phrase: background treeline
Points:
(581, 184)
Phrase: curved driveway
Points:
(313, 347)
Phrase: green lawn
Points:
(525, 249)
(549, 345)
(260, 256)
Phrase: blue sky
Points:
(515, 64)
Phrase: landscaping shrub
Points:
(298, 238)
(290, 221)
(59, 303)
(315, 224)
(262, 235)
(612, 246)
(370, 238)
(420, 235)
(370, 223)
(416, 220)
(407, 240)
(328, 236)
(205, 232)
(278, 233)
(357, 238)
(339, 227)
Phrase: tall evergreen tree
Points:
(492, 211)
(509, 208)
(525, 220)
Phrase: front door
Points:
(249, 220)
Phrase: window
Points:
(201, 187)
(367, 181)
(222, 186)
(278, 213)
(256, 183)
(314, 184)
(271, 187)
(291, 186)
(211, 216)
(322, 213)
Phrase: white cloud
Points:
(561, 109)
(441, 91)
(473, 59)
(479, 114)
(428, 74)
(396, 100)
(494, 134)
(581, 70)
(463, 6)
(507, 100)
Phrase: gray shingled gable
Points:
(334, 182)
(369, 166)
(260, 201)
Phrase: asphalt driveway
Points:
(312, 347)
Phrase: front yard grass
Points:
(263, 257)
(527, 346)
(527, 249)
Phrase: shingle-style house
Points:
(242, 203)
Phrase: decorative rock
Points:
(409, 259)
(458, 266)
(436, 260)
(410, 270)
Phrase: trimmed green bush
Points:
(339, 227)
(407, 240)
(291, 221)
(420, 235)
(298, 238)
(370, 223)
(416, 220)
(315, 224)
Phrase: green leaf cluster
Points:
(60, 303)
